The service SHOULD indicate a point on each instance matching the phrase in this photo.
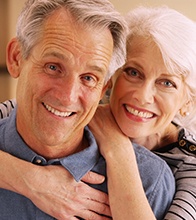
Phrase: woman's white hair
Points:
(175, 35)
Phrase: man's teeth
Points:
(139, 113)
(56, 112)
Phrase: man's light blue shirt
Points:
(157, 178)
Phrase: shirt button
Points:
(192, 148)
(38, 161)
(182, 143)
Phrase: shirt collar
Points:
(77, 164)
(80, 163)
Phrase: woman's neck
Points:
(158, 140)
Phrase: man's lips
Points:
(138, 113)
(57, 112)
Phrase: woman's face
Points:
(145, 97)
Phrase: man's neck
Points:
(58, 151)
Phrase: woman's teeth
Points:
(138, 113)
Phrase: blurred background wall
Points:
(9, 10)
(187, 7)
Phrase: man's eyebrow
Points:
(97, 69)
(62, 57)
(54, 54)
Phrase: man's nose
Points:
(69, 90)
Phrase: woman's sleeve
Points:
(6, 107)
(183, 166)
(184, 202)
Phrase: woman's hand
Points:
(107, 133)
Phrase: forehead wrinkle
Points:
(63, 58)
(74, 39)
(55, 54)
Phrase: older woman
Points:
(150, 94)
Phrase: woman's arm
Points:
(6, 107)
(126, 195)
(49, 185)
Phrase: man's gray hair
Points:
(94, 13)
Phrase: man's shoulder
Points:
(157, 179)
(3, 123)
(145, 156)
(152, 166)
(6, 127)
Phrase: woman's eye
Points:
(168, 84)
(131, 72)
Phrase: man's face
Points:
(61, 83)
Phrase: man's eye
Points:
(88, 78)
(52, 69)
(90, 81)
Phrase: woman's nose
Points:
(145, 94)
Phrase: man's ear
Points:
(108, 85)
(13, 57)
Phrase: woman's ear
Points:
(13, 57)
(186, 109)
